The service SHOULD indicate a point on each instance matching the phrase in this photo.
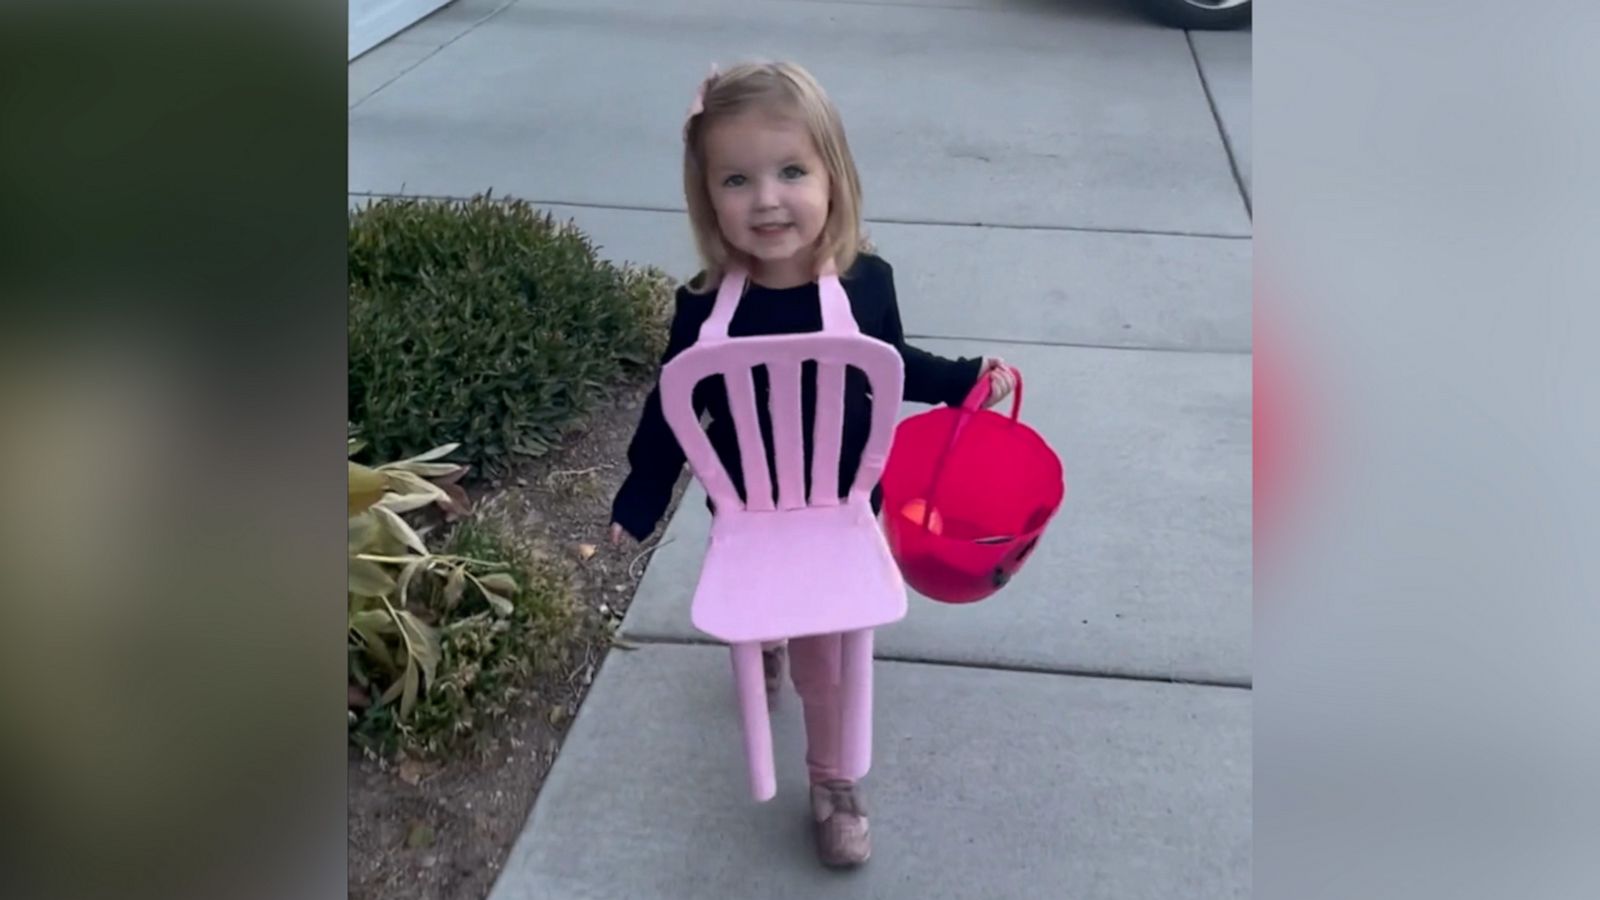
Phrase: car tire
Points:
(1201, 15)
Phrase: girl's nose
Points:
(767, 194)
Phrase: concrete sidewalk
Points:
(1061, 183)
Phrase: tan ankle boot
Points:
(840, 824)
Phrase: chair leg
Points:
(855, 731)
(750, 679)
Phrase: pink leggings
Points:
(814, 667)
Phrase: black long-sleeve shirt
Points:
(656, 458)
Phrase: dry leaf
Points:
(453, 587)
(498, 589)
(398, 527)
(499, 583)
(368, 579)
(439, 452)
(584, 551)
(366, 487)
(458, 505)
(421, 836)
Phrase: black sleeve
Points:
(655, 458)
(930, 378)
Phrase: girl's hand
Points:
(616, 535)
(1001, 381)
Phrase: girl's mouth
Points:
(770, 230)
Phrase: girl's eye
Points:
(792, 172)
(733, 181)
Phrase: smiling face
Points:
(770, 191)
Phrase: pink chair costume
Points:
(815, 571)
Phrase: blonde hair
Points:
(778, 88)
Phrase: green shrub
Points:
(440, 654)
(441, 642)
(394, 651)
(486, 660)
(488, 323)
(489, 664)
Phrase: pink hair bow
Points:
(698, 105)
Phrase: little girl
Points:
(772, 190)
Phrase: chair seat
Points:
(775, 575)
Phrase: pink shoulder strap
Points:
(836, 315)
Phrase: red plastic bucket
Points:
(967, 494)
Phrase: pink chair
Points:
(792, 566)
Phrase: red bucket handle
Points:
(971, 406)
(980, 393)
